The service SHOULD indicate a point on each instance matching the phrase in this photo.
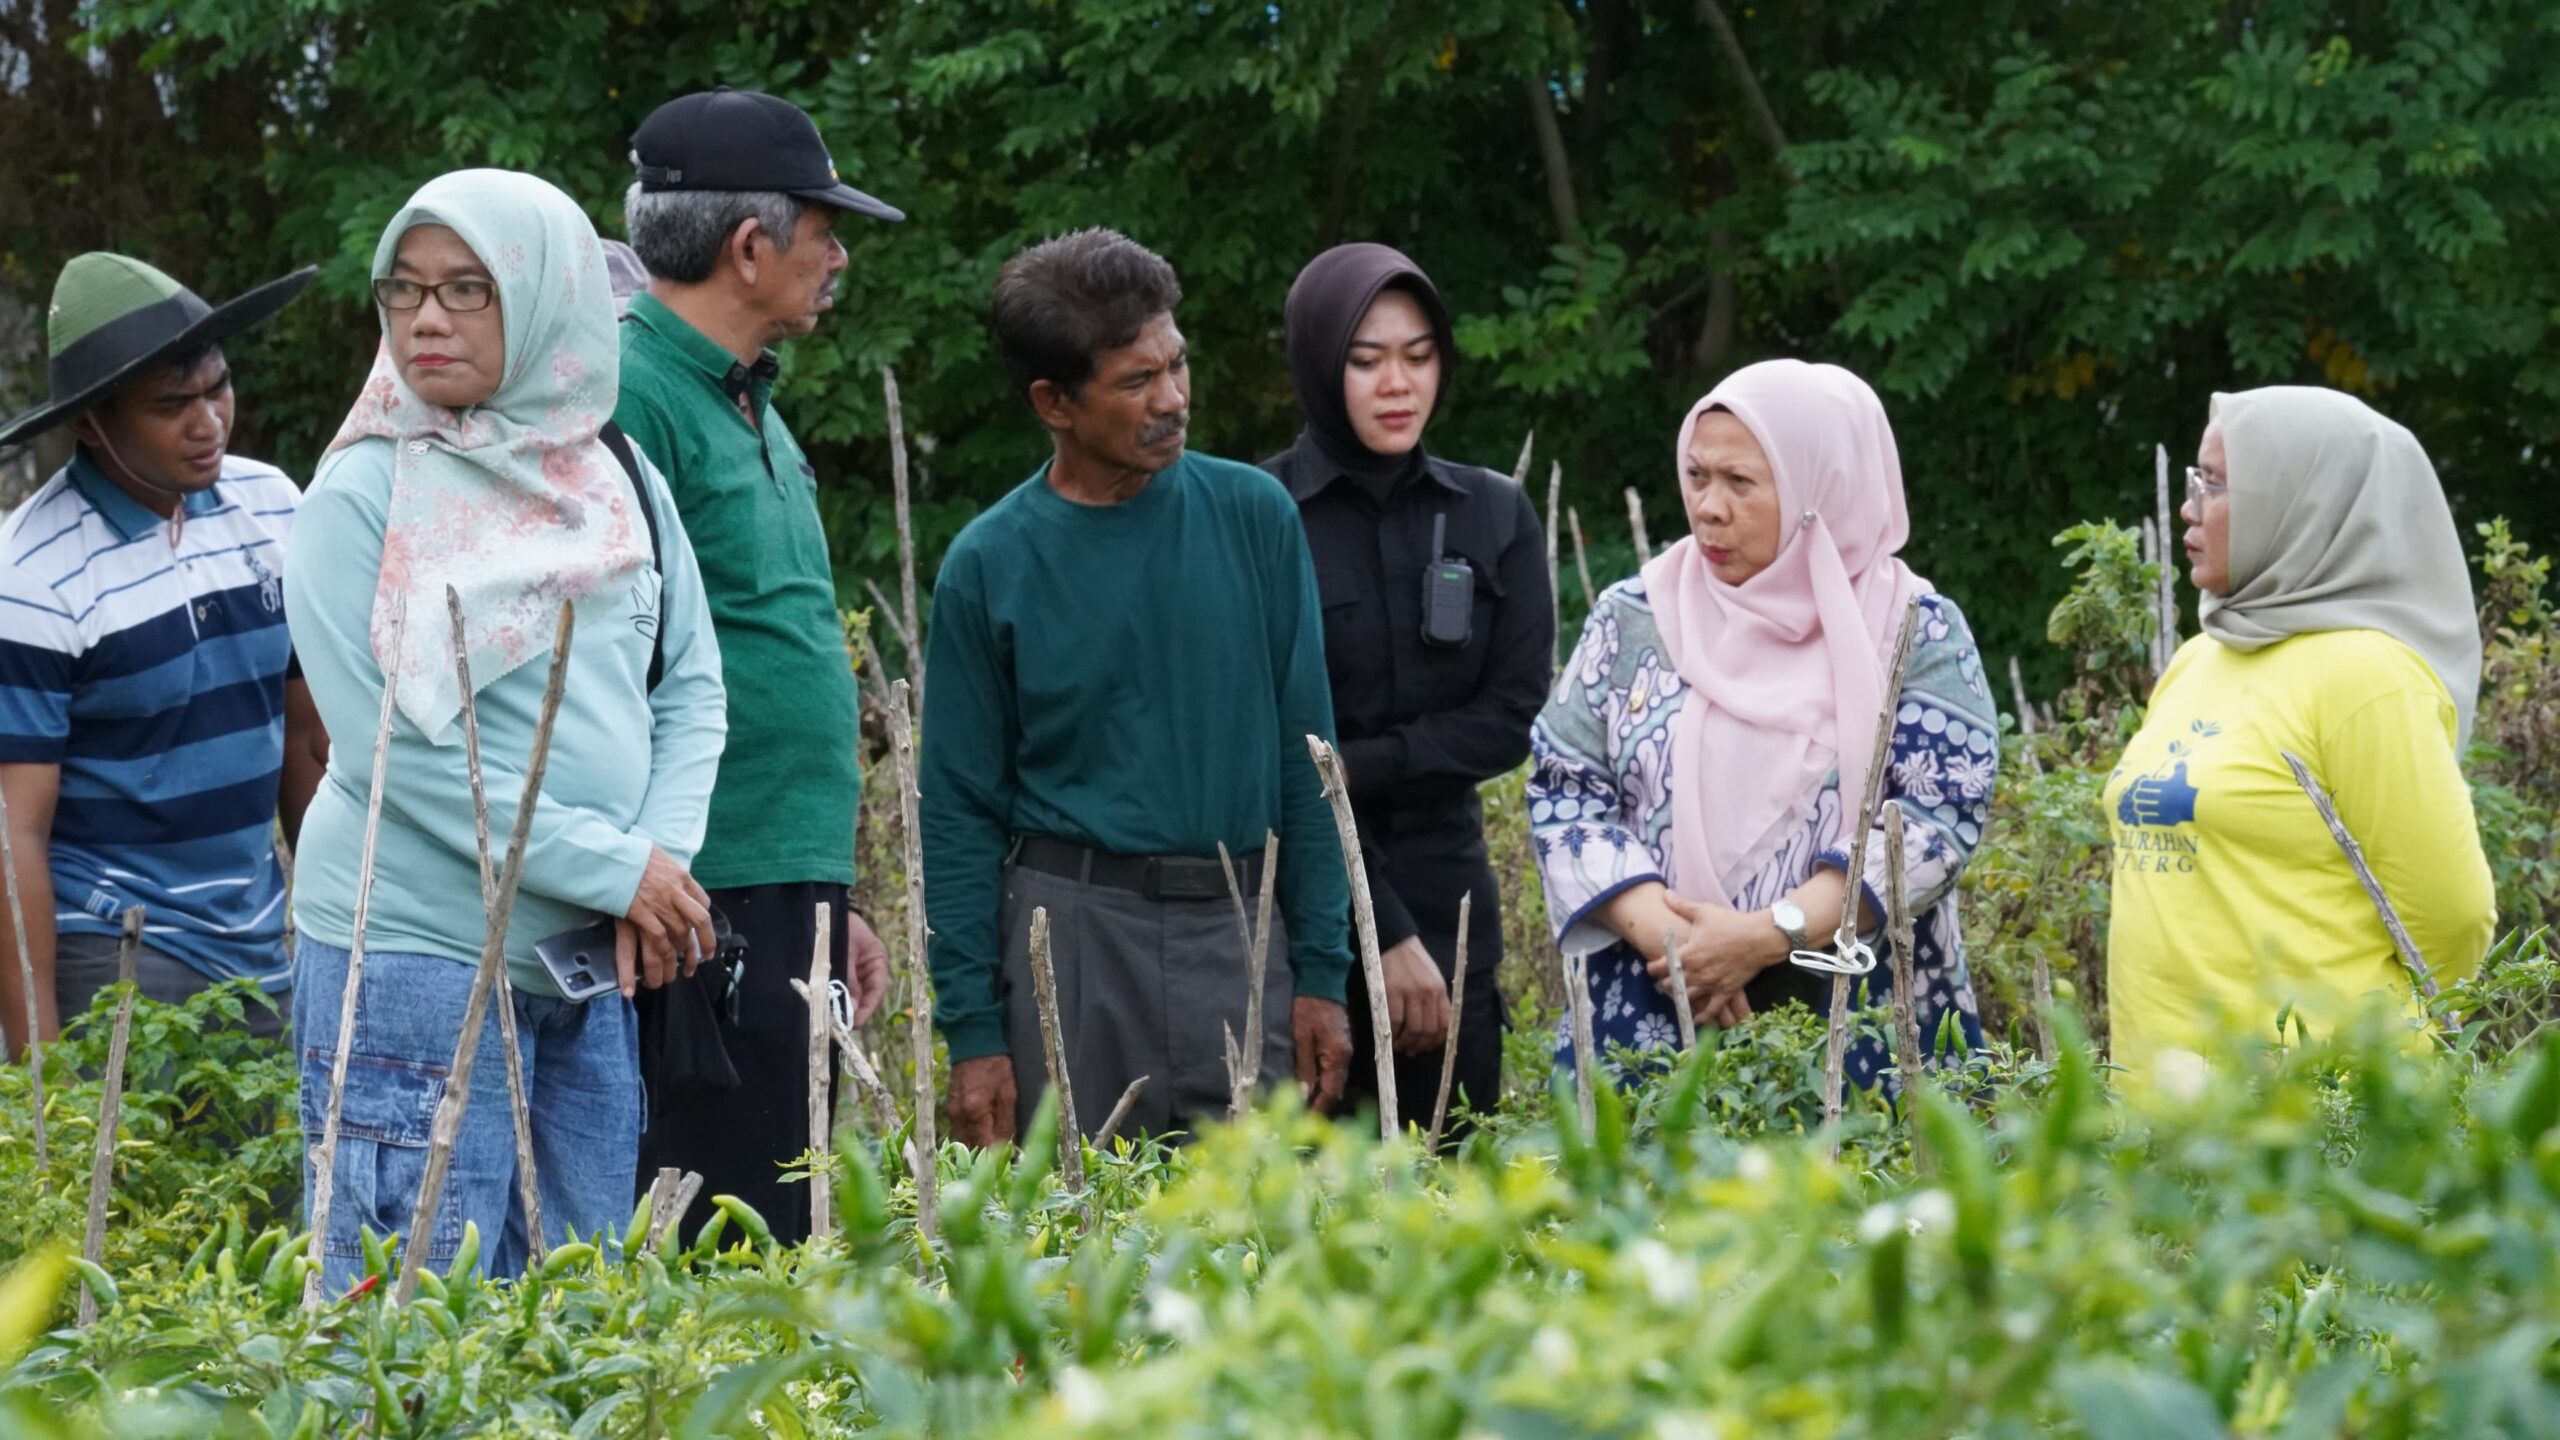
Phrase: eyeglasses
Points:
(458, 296)
(2202, 487)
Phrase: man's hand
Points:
(1322, 1032)
(866, 967)
(671, 918)
(1417, 999)
(982, 1100)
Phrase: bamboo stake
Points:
(902, 747)
(1680, 1002)
(1337, 791)
(519, 1108)
(1897, 904)
(1053, 1048)
(102, 1160)
(1555, 530)
(1457, 1016)
(913, 629)
(324, 1168)
(1582, 559)
(821, 995)
(673, 1213)
(1861, 823)
(493, 962)
(1119, 1112)
(1586, 1049)
(662, 1188)
(1635, 525)
(1520, 467)
(27, 986)
(1244, 1063)
(2401, 940)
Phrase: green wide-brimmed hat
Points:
(112, 316)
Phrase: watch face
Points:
(1789, 915)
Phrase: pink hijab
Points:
(1786, 670)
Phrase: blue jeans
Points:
(582, 1084)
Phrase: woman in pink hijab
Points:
(1700, 757)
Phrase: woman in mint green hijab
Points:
(2338, 629)
(476, 458)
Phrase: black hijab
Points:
(1325, 308)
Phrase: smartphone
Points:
(580, 961)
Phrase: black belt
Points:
(1157, 877)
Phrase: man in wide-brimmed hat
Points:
(152, 727)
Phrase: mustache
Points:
(1165, 429)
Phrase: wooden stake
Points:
(2401, 940)
(102, 1160)
(913, 629)
(821, 996)
(902, 748)
(1897, 903)
(324, 1167)
(672, 1213)
(1586, 1049)
(1635, 526)
(1680, 1003)
(881, 607)
(493, 963)
(1053, 1048)
(1582, 559)
(1861, 823)
(1337, 792)
(2167, 640)
(1520, 467)
(1457, 1016)
(1119, 1112)
(519, 1106)
(27, 986)
(1244, 1062)
(868, 1080)
(2018, 694)
(1555, 529)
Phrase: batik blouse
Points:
(1600, 817)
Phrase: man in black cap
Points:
(734, 214)
(152, 727)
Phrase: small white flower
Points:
(1081, 1396)
(1686, 1427)
(1756, 1167)
(1174, 1314)
(1930, 1210)
(1553, 1350)
(1666, 1278)
(1879, 1222)
(2180, 1075)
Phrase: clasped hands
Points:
(1721, 949)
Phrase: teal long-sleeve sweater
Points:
(1138, 677)
(628, 768)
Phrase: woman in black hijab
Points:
(1439, 632)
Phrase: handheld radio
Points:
(1448, 592)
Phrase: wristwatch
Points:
(1790, 918)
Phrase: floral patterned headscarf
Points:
(514, 503)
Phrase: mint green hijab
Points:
(2339, 523)
(514, 503)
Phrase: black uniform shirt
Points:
(1421, 725)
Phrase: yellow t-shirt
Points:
(2231, 898)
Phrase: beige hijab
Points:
(2338, 523)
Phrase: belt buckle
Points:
(1184, 879)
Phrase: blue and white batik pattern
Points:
(1600, 815)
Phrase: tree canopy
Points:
(2045, 232)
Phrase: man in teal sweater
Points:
(1127, 656)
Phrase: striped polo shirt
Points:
(148, 660)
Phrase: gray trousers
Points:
(85, 964)
(1145, 987)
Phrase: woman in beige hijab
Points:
(2338, 628)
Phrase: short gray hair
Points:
(680, 233)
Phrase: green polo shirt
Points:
(790, 784)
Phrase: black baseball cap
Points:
(728, 139)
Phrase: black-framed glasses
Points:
(461, 297)
(2202, 487)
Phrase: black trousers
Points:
(1430, 866)
(740, 1139)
